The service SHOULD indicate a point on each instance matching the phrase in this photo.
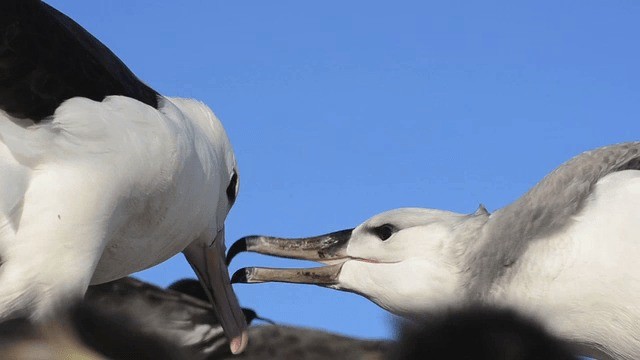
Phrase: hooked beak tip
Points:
(239, 343)
(322, 248)
(236, 248)
(240, 276)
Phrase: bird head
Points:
(407, 260)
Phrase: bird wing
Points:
(47, 58)
(547, 208)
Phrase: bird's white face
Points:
(404, 260)
(408, 260)
(402, 234)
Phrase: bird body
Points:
(128, 318)
(181, 315)
(184, 320)
(582, 282)
(564, 253)
(100, 176)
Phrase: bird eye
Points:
(384, 231)
(231, 189)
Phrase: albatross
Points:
(130, 319)
(101, 176)
(180, 315)
(565, 253)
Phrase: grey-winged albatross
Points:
(565, 253)
(101, 176)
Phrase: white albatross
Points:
(100, 176)
(565, 253)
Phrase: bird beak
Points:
(323, 248)
(323, 275)
(329, 249)
(208, 262)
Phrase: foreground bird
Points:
(479, 333)
(184, 320)
(180, 314)
(565, 253)
(100, 176)
(282, 342)
(128, 318)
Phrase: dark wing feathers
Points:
(47, 58)
(160, 312)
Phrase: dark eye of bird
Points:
(384, 231)
(231, 189)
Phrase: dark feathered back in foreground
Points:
(121, 337)
(287, 342)
(478, 334)
(85, 333)
(131, 319)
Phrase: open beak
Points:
(208, 262)
(329, 249)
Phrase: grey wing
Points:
(547, 208)
(561, 194)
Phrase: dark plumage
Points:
(190, 287)
(121, 336)
(86, 332)
(164, 313)
(35, 79)
(193, 288)
(288, 342)
(180, 313)
(478, 334)
(130, 319)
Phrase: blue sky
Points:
(339, 110)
